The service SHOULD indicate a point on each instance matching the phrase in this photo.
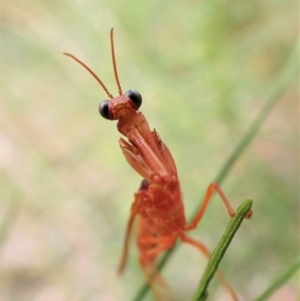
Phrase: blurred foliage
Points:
(204, 69)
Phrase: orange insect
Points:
(158, 202)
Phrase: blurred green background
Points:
(204, 69)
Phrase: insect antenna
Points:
(91, 72)
(114, 60)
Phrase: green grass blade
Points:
(278, 282)
(216, 257)
(284, 79)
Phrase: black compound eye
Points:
(135, 97)
(104, 110)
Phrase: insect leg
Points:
(126, 242)
(200, 246)
(134, 211)
(148, 254)
(210, 190)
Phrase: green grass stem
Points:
(216, 257)
(280, 280)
